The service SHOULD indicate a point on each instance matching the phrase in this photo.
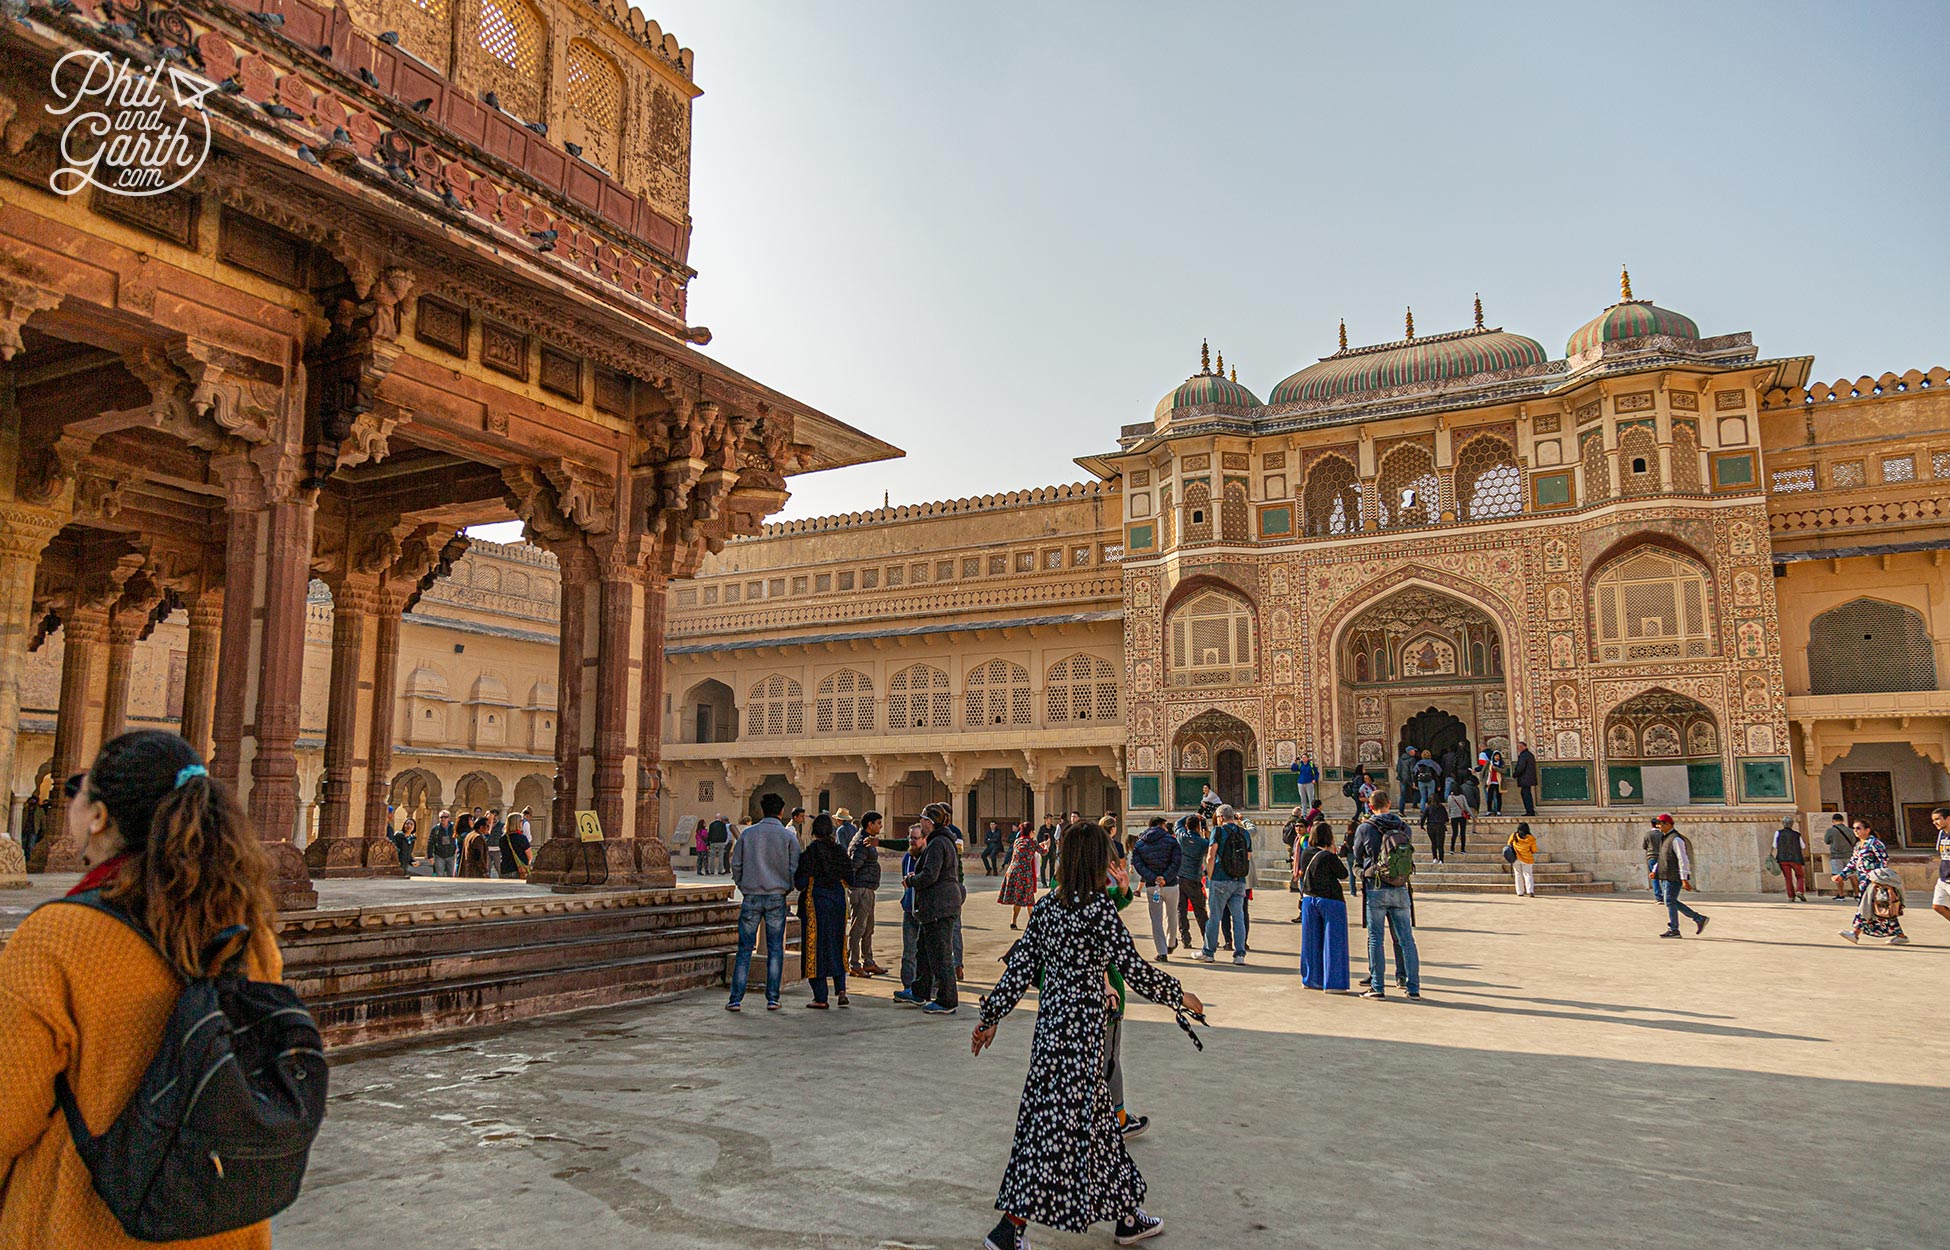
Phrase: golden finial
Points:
(1411, 323)
(1205, 356)
(1624, 285)
(1479, 310)
(1235, 375)
(1343, 333)
(1222, 364)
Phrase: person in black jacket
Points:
(443, 844)
(1524, 772)
(864, 854)
(823, 875)
(515, 844)
(937, 906)
(1157, 862)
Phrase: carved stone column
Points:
(24, 534)
(243, 554)
(124, 631)
(379, 856)
(652, 856)
(338, 849)
(200, 669)
(77, 723)
(554, 859)
(279, 681)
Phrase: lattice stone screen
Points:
(1211, 640)
(1488, 482)
(918, 698)
(1332, 498)
(776, 708)
(1866, 646)
(513, 36)
(844, 703)
(1081, 688)
(1651, 606)
(596, 110)
(1409, 491)
(1793, 481)
(998, 694)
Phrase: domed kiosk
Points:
(1411, 361)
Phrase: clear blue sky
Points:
(993, 233)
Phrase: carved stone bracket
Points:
(560, 500)
(24, 291)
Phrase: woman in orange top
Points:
(83, 994)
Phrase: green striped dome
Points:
(1631, 319)
(1206, 390)
(1460, 354)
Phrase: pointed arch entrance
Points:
(1216, 749)
(1420, 666)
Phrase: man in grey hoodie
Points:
(762, 866)
(937, 906)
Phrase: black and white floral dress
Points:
(1068, 1168)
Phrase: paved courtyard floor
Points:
(1569, 1081)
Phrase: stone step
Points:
(374, 975)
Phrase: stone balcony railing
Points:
(1891, 706)
(907, 742)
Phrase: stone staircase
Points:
(1484, 872)
(373, 975)
(1477, 872)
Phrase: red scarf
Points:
(101, 874)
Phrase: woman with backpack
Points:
(1069, 1168)
(1880, 913)
(1435, 823)
(84, 996)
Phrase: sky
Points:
(992, 234)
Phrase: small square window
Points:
(844, 581)
(1940, 464)
(1053, 559)
(869, 578)
(1899, 468)
(1113, 552)
(1638, 464)
(998, 565)
(971, 566)
(710, 595)
(1025, 562)
(754, 590)
(944, 571)
(731, 592)
(918, 573)
(1079, 557)
(798, 585)
(775, 588)
(1847, 473)
(896, 576)
(823, 583)
(1198, 516)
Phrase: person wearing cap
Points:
(1676, 872)
(1524, 866)
(1791, 854)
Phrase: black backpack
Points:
(1235, 856)
(217, 1135)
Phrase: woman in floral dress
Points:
(1870, 864)
(1019, 887)
(1068, 1168)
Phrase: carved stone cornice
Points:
(24, 290)
(25, 530)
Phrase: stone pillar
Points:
(652, 855)
(200, 669)
(615, 687)
(237, 650)
(77, 723)
(380, 857)
(337, 850)
(24, 534)
(278, 681)
(124, 631)
(557, 857)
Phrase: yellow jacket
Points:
(82, 993)
(1526, 845)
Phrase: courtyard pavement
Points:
(1569, 1081)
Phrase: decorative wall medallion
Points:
(1724, 400)
(1635, 401)
(1547, 423)
(1683, 401)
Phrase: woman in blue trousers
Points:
(1323, 913)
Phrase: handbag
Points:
(1509, 854)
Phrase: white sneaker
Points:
(1849, 935)
(1899, 940)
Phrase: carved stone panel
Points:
(441, 324)
(504, 349)
(561, 373)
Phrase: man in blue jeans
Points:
(1386, 897)
(1228, 862)
(762, 865)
